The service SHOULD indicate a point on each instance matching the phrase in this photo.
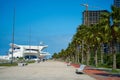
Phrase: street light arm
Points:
(86, 19)
(86, 5)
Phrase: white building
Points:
(4, 57)
(28, 52)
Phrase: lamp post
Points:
(86, 22)
(86, 18)
(13, 31)
(29, 41)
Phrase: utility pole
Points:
(13, 31)
(86, 23)
(29, 41)
(86, 14)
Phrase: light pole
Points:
(13, 31)
(86, 18)
(29, 41)
(86, 23)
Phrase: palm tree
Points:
(109, 32)
(77, 39)
(81, 40)
(86, 42)
(95, 38)
(105, 31)
(115, 15)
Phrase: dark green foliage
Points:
(118, 60)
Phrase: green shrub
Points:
(31, 61)
(115, 71)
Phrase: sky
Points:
(52, 22)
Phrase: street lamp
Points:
(13, 31)
(29, 41)
(86, 18)
(86, 22)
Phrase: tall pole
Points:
(86, 14)
(13, 31)
(29, 40)
(86, 23)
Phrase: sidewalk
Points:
(99, 74)
(49, 70)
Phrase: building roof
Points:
(29, 46)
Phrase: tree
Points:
(105, 31)
(115, 15)
(92, 38)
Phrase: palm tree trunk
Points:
(88, 55)
(114, 60)
(79, 56)
(102, 52)
(96, 58)
(82, 61)
(78, 51)
(113, 46)
(70, 58)
(114, 57)
(102, 57)
(76, 57)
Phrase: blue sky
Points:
(53, 22)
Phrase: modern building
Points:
(117, 3)
(92, 16)
(26, 51)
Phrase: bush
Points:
(115, 71)
(31, 61)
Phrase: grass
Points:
(115, 71)
(31, 61)
(13, 64)
(107, 68)
(110, 70)
(8, 64)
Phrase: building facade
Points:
(117, 3)
(92, 17)
(26, 51)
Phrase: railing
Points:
(30, 51)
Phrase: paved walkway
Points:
(99, 74)
(50, 70)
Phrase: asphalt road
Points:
(49, 70)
